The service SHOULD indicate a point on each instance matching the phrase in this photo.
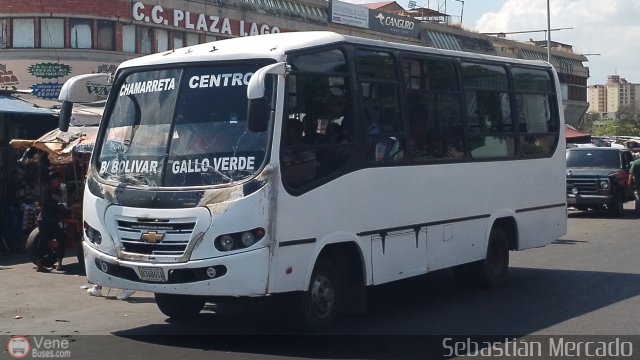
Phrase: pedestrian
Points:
(96, 290)
(634, 180)
(49, 221)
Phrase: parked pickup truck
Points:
(598, 178)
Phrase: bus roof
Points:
(275, 46)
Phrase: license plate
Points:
(151, 274)
(571, 200)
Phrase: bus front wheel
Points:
(490, 272)
(179, 307)
(317, 307)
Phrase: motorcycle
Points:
(53, 246)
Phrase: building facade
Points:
(44, 44)
(617, 94)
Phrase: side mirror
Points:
(255, 88)
(81, 89)
(257, 107)
(257, 114)
(65, 115)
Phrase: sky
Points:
(609, 28)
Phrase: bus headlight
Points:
(92, 234)
(604, 184)
(247, 239)
(239, 240)
(226, 243)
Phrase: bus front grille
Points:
(156, 237)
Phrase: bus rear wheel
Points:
(318, 307)
(179, 307)
(491, 272)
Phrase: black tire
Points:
(31, 248)
(616, 207)
(491, 272)
(179, 307)
(318, 307)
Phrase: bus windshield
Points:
(181, 127)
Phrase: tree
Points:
(617, 128)
(587, 122)
(629, 114)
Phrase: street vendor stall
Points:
(68, 153)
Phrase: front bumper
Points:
(243, 274)
(588, 199)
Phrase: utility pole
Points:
(548, 32)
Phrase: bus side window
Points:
(319, 107)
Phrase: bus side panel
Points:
(457, 243)
(398, 255)
(530, 234)
(289, 266)
(292, 262)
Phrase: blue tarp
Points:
(12, 104)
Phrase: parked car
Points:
(598, 179)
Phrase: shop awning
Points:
(12, 104)
(576, 137)
(58, 145)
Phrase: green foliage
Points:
(617, 128)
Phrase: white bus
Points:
(309, 166)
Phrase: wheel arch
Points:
(509, 225)
(345, 252)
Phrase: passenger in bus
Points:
(442, 146)
(419, 128)
(293, 132)
(204, 141)
(221, 141)
(310, 125)
(371, 117)
(336, 105)
(334, 154)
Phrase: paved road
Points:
(587, 283)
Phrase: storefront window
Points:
(145, 40)
(162, 40)
(129, 38)
(106, 35)
(178, 40)
(192, 39)
(52, 33)
(23, 33)
(81, 33)
(4, 24)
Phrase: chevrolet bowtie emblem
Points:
(152, 237)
